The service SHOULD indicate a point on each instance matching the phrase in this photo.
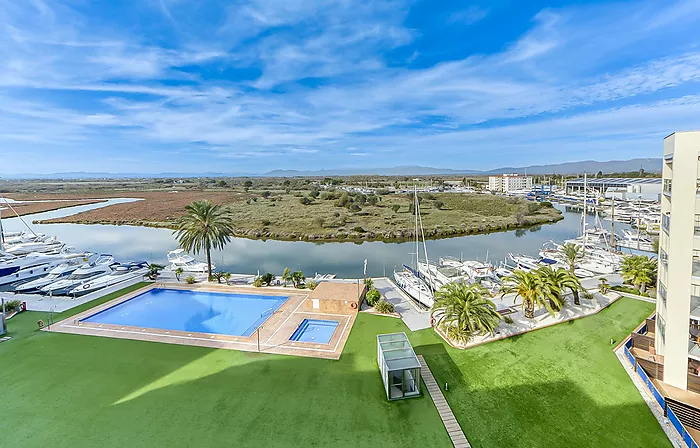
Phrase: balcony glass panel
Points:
(666, 223)
(667, 186)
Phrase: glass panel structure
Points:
(399, 366)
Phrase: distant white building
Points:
(507, 183)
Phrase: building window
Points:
(667, 186)
(664, 257)
(666, 222)
(662, 293)
(661, 328)
(696, 263)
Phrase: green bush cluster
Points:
(384, 307)
(190, 280)
(373, 297)
(13, 305)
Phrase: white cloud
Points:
(316, 79)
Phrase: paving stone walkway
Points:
(459, 440)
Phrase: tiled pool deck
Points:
(272, 336)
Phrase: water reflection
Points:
(343, 259)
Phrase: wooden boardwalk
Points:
(459, 440)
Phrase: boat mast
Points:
(425, 247)
(612, 224)
(2, 233)
(585, 203)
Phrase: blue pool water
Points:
(192, 311)
(312, 330)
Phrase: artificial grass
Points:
(63, 390)
(561, 386)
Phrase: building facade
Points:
(507, 183)
(646, 189)
(678, 298)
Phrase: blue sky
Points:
(256, 85)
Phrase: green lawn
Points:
(561, 386)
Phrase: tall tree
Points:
(532, 289)
(639, 270)
(558, 281)
(571, 254)
(462, 311)
(205, 227)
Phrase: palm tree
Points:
(532, 288)
(154, 270)
(603, 286)
(639, 270)
(297, 278)
(286, 276)
(572, 254)
(463, 312)
(178, 273)
(205, 227)
(226, 276)
(369, 283)
(558, 281)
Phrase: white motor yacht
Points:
(439, 275)
(41, 245)
(414, 287)
(38, 271)
(119, 274)
(59, 272)
(178, 258)
(81, 275)
(11, 264)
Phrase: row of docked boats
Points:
(596, 257)
(35, 263)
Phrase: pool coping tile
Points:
(271, 337)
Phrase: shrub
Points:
(384, 307)
(311, 284)
(268, 278)
(343, 200)
(314, 193)
(588, 295)
(439, 205)
(258, 282)
(532, 207)
(190, 279)
(13, 305)
(395, 208)
(266, 194)
(319, 221)
(372, 199)
(369, 283)
(305, 201)
(266, 222)
(358, 229)
(546, 204)
(508, 319)
(373, 296)
(354, 208)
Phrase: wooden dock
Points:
(459, 440)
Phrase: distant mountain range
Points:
(588, 166)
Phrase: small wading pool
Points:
(192, 311)
(312, 330)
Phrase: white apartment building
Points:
(507, 183)
(678, 298)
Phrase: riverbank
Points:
(30, 208)
(331, 215)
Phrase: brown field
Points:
(280, 214)
(38, 207)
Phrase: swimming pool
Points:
(192, 311)
(313, 330)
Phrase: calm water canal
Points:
(343, 259)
